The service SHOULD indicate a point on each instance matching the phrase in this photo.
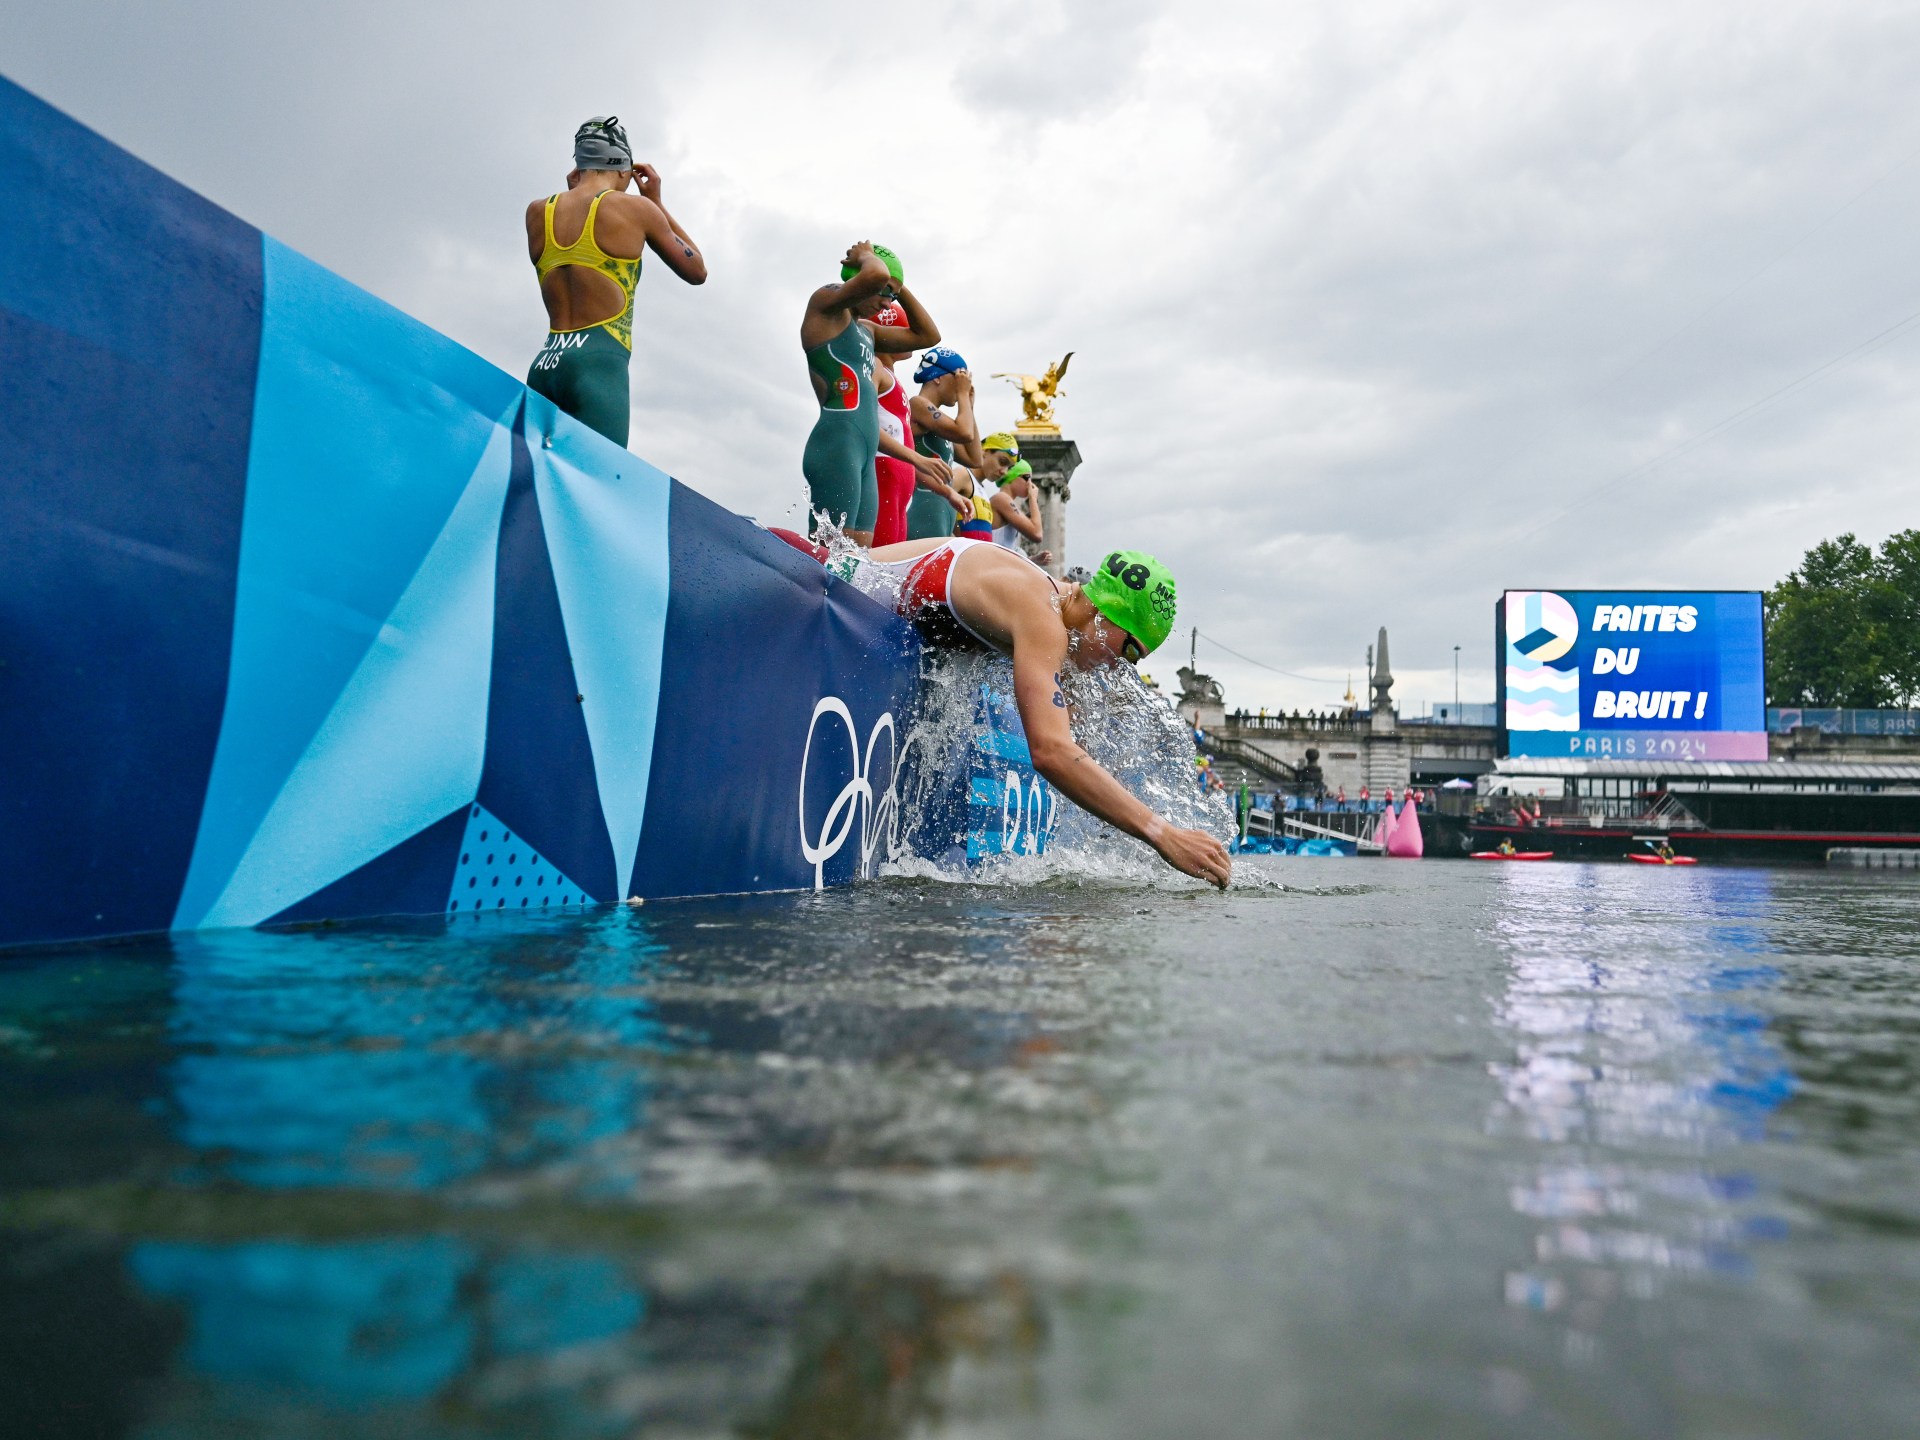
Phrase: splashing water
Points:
(1137, 737)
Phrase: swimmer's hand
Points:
(962, 506)
(648, 179)
(1192, 852)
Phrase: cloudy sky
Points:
(1378, 308)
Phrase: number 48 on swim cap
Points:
(1136, 592)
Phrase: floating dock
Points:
(1855, 858)
(311, 613)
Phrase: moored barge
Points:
(1780, 811)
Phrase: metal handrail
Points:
(1253, 759)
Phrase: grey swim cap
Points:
(601, 144)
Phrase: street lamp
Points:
(1456, 684)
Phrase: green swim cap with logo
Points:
(847, 272)
(1134, 591)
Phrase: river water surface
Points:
(1360, 1148)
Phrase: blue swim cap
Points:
(937, 362)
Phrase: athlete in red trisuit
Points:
(967, 591)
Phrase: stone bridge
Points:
(1358, 748)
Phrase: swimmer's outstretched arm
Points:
(1039, 653)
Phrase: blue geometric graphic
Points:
(498, 870)
(539, 772)
(756, 621)
(358, 412)
(605, 513)
(409, 879)
(129, 341)
(407, 734)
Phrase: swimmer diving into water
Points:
(837, 333)
(588, 281)
(965, 591)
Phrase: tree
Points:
(1844, 629)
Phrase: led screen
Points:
(1631, 674)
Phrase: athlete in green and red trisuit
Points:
(838, 337)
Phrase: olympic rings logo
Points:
(877, 813)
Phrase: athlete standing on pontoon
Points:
(944, 380)
(837, 333)
(965, 591)
(588, 281)
(900, 468)
(1012, 523)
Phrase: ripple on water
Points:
(1448, 1148)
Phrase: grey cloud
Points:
(1363, 297)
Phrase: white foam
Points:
(1122, 725)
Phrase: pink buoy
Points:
(1404, 841)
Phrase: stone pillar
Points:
(1053, 460)
(1383, 716)
(1389, 763)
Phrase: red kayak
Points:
(1517, 855)
(1659, 860)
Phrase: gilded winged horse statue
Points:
(1037, 395)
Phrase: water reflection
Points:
(547, 1177)
(1064, 1159)
(872, 1352)
(1644, 1060)
(387, 1062)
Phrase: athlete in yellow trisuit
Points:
(588, 278)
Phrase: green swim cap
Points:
(1014, 472)
(847, 272)
(1135, 592)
